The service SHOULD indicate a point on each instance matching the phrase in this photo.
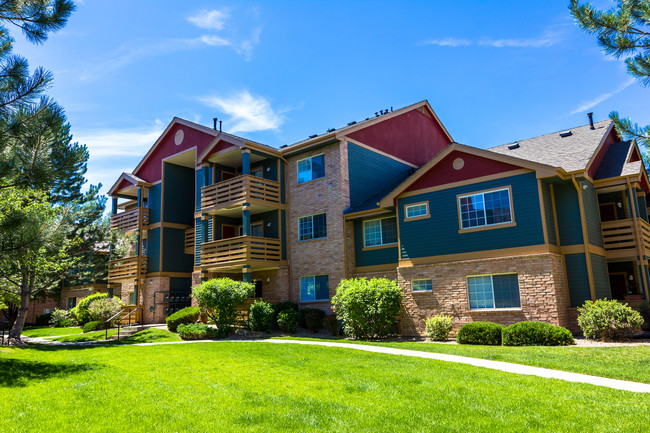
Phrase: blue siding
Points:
(180, 285)
(197, 241)
(174, 257)
(271, 217)
(371, 173)
(568, 213)
(209, 236)
(179, 185)
(548, 212)
(439, 235)
(592, 214)
(643, 210)
(382, 256)
(200, 175)
(153, 250)
(601, 276)
(577, 278)
(155, 203)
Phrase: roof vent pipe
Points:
(214, 126)
(219, 126)
(591, 120)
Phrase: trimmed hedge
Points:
(81, 310)
(288, 320)
(281, 306)
(196, 331)
(184, 316)
(260, 316)
(438, 327)
(93, 326)
(536, 334)
(608, 320)
(487, 333)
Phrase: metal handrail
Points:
(119, 323)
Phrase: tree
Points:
(623, 32)
(220, 298)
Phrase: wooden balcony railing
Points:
(127, 268)
(189, 241)
(133, 219)
(624, 237)
(238, 190)
(240, 250)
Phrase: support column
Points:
(245, 161)
(246, 219)
(114, 207)
(246, 273)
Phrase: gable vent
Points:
(514, 146)
(565, 134)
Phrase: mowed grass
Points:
(49, 332)
(89, 336)
(242, 386)
(150, 335)
(621, 362)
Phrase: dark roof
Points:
(614, 163)
(569, 152)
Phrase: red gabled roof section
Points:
(194, 136)
(597, 159)
(473, 166)
(220, 145)
(415, 136)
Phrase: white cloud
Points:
(448, 42)
(248, 113)
(211, 20)
(547, 39)
(605, 96)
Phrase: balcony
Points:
(127, 269)
(189, 241)
(259, 192)
(626, 238)
(241, 250)
(133, 219)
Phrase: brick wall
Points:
(331, 195)
(154, 288)
(38, 306)
(542, 291)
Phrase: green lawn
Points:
(623, 362)
(89, 336)
(48, 332)
(235, 387)
(146, 336)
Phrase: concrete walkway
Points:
(508, 367)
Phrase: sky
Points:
(279, 71)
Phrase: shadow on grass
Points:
(19, 372)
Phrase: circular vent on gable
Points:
(178, 138)
(458, 163)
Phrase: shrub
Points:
(288, 320)
(81, 310)
(184, 316)
(281, 306)
(487, 333)
(93, 326)
(61, 318)
(368, 308)
(195, 331)
(43, 319)
(103, 309)
(607, 320)
(220, 299)
(260, 316)
(314, 320)
(536, 334)
(438, 327)
(332, 324)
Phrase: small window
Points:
(257, 229)
(312, 227)
(417, 210)
(493, 291)
(132, 300)
(382, 231)
(314, 288)
(72, 302)
(311, 168)
(423, 285)
(485, 209)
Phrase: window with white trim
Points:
(314, 288)
(422, 285)
(312, 227)
(257, 229)
(493, 291)
(382, 231)
(311, 168)
(485, 208)
(417, 210)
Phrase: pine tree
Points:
(623, 32)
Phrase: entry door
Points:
(607, 212)
(618, 285)
(225, 175)
(228, 231)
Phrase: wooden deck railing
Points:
(627, 234)
(132, 219)
(240, 189)
(127, 268)
(189, 241)
(239, 250)
(134, 317)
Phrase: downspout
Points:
(585, 238)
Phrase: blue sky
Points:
(279, 71)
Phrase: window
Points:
(485, 209)
(417, 210)
(72, 302)
(132, 300)
(257, 229)
(314, 288)
(423, 285)
(312, 227)
(493, 291)
(311, 168)
(378, 232)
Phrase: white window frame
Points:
(311, 176)
(382, 244)
(494, 303)
(485, 226)
(422, 290)
(312, 227)
(426, 213)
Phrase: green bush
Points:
(288, 320)
(93, 326)
(61, 319)
(607, 320)
(260, 316)
(536, 334)
(281, 306)
(81, 313)
(332, 324)
(220, 299)
(196, 331)
(184, 316)
(103, 309)
(438, 327)
(43, 319)
(368, 308)
(487, 333)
